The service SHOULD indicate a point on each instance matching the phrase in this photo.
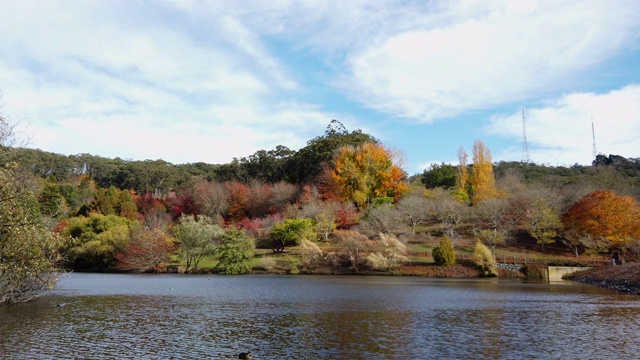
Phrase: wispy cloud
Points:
(560, 132)
(211, 80)
(476, 55)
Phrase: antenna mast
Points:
(593, 132)
(525, 147)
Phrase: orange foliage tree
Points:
(603, 214)
(365, 172)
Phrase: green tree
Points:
(444, 254)
(444, 176)
(305, 166)
(28, 252)
(95, 240)
(52, 203)
(235, 253)
(197, 237)
(291, 232)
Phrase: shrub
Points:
(268, 263)
(535, 271)
(483, 258)
(444, 254)
(291, 231)
(310, 254)
(391, 252)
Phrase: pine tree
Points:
(444, 254)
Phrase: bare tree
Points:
(492, 215)
(415, 209)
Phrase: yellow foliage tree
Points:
(462, 182)
(365, 172)
(483, 184)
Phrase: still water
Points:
(96, 316)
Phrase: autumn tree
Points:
(211, 198)
(326, 220)
(462, 181)
(542, 222)
(180, 203)
(238, 201)
(365, 172)
(145, 251)
(235, 252)
(604, 215)
(198, 236)
(482, 178)
(259, 199)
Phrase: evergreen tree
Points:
(444, 254)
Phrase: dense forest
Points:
(341, 200)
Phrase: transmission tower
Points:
(593, 133)
(525, 147)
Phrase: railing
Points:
(530, 260)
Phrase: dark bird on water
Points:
(245, 356)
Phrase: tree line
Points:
(344, 191)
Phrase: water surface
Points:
(95, 316)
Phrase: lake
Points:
(118, 316)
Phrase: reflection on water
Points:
(309, 317)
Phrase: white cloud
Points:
(561, 132)
(476, 55)
(119, 79)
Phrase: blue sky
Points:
(188, 81)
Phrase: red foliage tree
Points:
(238, 201)
(605, 215)
(181, 203)
(145, 252)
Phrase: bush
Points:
(535, 271)
(310, 254)
(483, 258)
(235, 253)
(291, 232)
(444, 254)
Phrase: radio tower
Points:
(525, 147)
(593, 132)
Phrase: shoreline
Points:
(622, 278)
